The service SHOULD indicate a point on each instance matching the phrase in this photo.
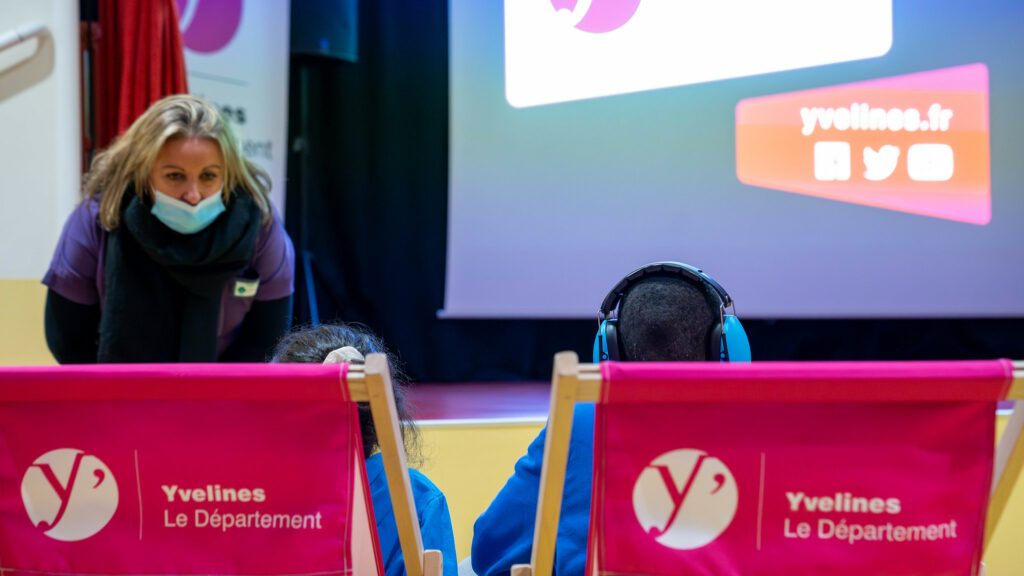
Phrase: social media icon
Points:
(930, 162)
(880, 164)
(685, 499)
(831, 161)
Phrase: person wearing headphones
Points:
(175, 253)
(665, 311)
(338, 343)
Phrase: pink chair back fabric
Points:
(182, 469)
(793, 468)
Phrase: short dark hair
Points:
(312, 344)
(664, 319)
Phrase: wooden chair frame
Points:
(572, 382)
(371, 382)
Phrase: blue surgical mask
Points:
(183, 217)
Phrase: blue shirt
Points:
(431, 510)
(503, 535)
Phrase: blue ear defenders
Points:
(727, 340)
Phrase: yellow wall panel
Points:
(22, 341)
(470, 463)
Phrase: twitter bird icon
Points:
(880, 164)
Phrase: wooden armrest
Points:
(433, 563)
(521, 570)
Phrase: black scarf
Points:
(164, 289)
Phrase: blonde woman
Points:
(175, 253)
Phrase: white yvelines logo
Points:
(685, 499)
(564, 50)
(68, 494)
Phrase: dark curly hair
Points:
(665, 319)
(311, 344)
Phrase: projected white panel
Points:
(562, 50)
(845, 186)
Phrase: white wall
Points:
(40, 134)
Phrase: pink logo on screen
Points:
(685, 499)
(68, 494)
(599, 16)
(209, 25)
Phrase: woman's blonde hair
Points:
(127, 162)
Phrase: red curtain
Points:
(140, 59)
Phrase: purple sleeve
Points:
(274, 261)
(75, 265)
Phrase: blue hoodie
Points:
(503, 535)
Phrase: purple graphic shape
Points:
(213, 25)
(603, 15)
